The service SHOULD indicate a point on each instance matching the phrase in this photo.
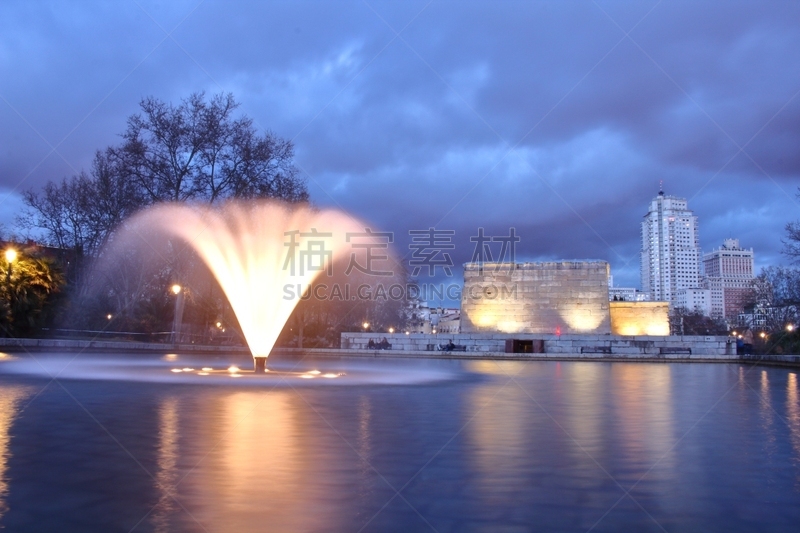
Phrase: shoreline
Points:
(71, 346)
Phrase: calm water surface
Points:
(486, 446)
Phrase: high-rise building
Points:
(670, 249)
(728, 273)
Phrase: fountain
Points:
(254, 249)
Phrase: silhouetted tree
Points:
(195, 151)
(27, 285)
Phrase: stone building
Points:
(556, 297)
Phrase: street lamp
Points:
(177, 290)
(11, 256)
(365, 325)
(391, 330)
(790, 327)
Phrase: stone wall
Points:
(639, 318)
(545, 298)
(707, 347)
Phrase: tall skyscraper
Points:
(728, 273)
(670, 249)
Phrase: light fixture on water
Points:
(207, 369)
(233, 369)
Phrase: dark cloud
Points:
(542, 116)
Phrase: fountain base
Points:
(260, 364)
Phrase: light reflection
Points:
(266, 462)
(767, 414)
(500, 432)
(793, 416)
(167, 474)
(11, 396)
(644, 408)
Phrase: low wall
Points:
(553, 344)
(73, 345)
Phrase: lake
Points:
(123, 443)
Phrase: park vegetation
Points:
(201, 150)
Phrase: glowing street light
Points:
(365, 325)
(762, 335)
(108, 316)
(790, 327)
(391, 330)
(11, 255)
(178, 316)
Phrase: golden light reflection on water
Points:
(167, 474)
(264, 469)
(767, 413)
(644, 410)
(793, 415)
(499, 431)
(583, 387)
(11, 397)
(582, 416)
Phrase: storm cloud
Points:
(556, 118)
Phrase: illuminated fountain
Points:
(254, 250)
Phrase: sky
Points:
(557, 119)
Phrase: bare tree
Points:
(198, 151)
(195, 151)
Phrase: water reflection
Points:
(643, 405)
(167, 474)
(767, 414)
(11, 397)
(793, 416)
(503, 423)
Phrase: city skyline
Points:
(421, 115)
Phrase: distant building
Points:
(670, 256)
(626, 294)
(728, 274)
(449, 321)
(694, 299)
